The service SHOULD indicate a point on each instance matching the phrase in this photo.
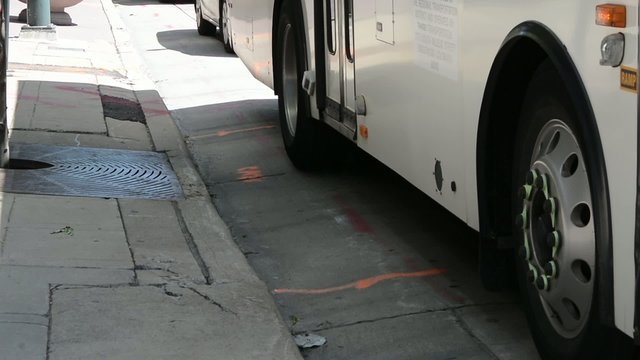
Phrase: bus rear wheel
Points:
(299, 130)
(225, 30)
(555, 232)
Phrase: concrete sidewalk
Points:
(86, 277)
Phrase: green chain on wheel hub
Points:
(538, 183)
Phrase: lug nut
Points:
(549, 205)
(524, 193)
(541, 182)
(553, 239)
(523, 252)
(531, 177)
(532, 275)
(521, 219)
(551, 269)
(542, 283)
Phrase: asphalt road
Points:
(353, 252)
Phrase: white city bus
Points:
(520, 117)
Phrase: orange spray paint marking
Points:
(250, 174)
(363, 283)
(230, 132)
(223, 133)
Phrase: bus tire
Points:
(4, 125)
(554, 229)
(205, 28)
(225, 30)
(495, 265)
(299, 130)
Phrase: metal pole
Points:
(38, 12)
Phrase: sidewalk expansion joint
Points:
(23, 314)
(163, 287)
(54, 131)
(94, 286)
(66, 69)
(193, 247)
(152, 268)
(66, 267)
(23, 323)
(126, 237)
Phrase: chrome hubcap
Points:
(290, 79)
(198, 15)
(225, 23)
(558, 231)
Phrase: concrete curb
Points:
(224, 262)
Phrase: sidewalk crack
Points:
(465, 326)
(210, 300)
(5, 227)
(452, 309)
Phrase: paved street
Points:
(352, 253)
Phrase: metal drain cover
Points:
(78, 171)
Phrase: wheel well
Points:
(274, 44)
(505, 94)
(525, 48)
(300, 34)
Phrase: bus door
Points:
(340, 67)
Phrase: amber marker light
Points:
(611, 15)
(364, 131)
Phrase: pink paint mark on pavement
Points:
(155, 112)
(360, 225)
(357, 221)
(77, 89)
(46, 102)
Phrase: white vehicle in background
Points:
(520, 117)
(212, 18)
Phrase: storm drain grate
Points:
(107, 173)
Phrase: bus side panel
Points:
(413, 96)
(251, 26)
(424, 91)
(253, 38)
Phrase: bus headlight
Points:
(612, 50)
